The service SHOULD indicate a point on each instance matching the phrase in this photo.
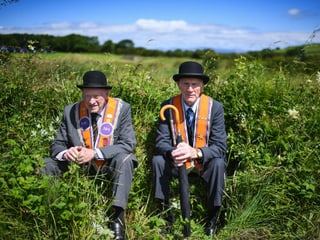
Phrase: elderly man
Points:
(97, 133)
(203, 149)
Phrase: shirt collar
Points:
(193, 107)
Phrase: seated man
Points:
(97, 132)
(204, 140)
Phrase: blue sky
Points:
(234, 25)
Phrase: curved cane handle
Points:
(178, 138)
(176, 113)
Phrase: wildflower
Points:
(175, 203)
(293, 113)
(228, 136)
(31, 47)
(43, 132)
(318, 77)
(33, 133)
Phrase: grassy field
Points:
(272, 113)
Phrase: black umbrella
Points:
(183, 176)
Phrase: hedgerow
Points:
(272, 121)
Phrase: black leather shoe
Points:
(210, 229)
(118, 230)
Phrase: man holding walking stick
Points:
(203, 147)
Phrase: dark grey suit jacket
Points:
(68, 134)
(217, 145)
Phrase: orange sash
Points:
(105, 131)
(202, 125)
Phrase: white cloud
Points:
(61, 25)
(161, 26)
(170, 35)
(87, 25)
(294, 11)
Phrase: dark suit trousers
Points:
(120, 169)
(213, 174)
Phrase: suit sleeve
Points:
(67, 135)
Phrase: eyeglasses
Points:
(89, 97)
(192, 85)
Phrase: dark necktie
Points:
(94, 125)
(190, 118)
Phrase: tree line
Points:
(76, 43)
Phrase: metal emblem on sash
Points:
(106, 129)
(84, 123)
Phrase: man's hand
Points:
(79, 155)
(182, 153)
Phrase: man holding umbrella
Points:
(203, 146)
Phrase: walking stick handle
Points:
(176, 113)
(183, 176)
(176, 119)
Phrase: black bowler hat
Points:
(191, 69)
(94, 79)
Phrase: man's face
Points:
(190, 89)
(95, 98)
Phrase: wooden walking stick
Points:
(183, 176)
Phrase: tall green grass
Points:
(272, 119)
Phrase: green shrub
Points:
(272, 120)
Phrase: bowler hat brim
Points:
(94, 86)
(204, 77)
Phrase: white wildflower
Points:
(318, 77)
(242, 117)
(228, 136)
(31, 48)
(293, 113)
(33, 133)
(175, 203)
(43, 132)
